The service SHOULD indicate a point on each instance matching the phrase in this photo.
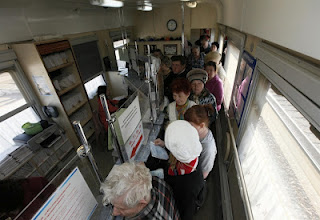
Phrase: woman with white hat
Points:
(184, 176)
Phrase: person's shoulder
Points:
(192, 103)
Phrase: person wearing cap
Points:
(199, 94)
(184, 175)
(214, 84)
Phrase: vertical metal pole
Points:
(149, 84)
(137, 55)
(121, 27)
(110, 121)
(182, 33)
(87, 148)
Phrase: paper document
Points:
(158, 152)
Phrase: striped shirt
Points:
(162, 205)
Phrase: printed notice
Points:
(72, 200)
(135, 141)
(42, 85)
(129, 119)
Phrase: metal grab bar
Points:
(87, 149)
(242, 185)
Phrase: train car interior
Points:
(81, 92)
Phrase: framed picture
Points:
(152, 48)
(170, 49)
(206, 32)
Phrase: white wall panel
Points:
(291, 24)
(13, 25)
(25, 24)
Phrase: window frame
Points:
(238, 40)
(9, 63)
(89, 39)
(285, 73)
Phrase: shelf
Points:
(48, 47)
(18, 167)
(90, 133)
(85, 121)
(44, 160)
(53, 166)
(60, 66)
(70, 112)
(65, 154)
(31, 172)
(60, 93)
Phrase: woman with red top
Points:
(214, 83)
(184, 175)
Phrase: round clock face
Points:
(172, 25)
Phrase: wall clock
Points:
(172, 25)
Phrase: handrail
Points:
(242, 184)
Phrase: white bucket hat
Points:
(182, 140)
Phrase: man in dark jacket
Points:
(178, 70)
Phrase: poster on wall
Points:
(41, 85)
(242, 85)
(129, 119)
(72, 200)
(135, 141)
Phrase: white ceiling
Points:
(83, 3)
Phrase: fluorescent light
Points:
(147, 6)
(191, 4)
(111, 3)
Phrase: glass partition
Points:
(140, 124)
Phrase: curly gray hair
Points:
(131, 180)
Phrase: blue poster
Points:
(242, 85)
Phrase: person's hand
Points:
(159, 142)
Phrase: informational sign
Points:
(135, 141)
(242, 87)
(42, 85)
(72, 200)
(129, 119)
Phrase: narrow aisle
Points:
(211, 209)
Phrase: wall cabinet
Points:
(51, 155)
(53, 73)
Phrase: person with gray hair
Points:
(135, 194)
(196, 58)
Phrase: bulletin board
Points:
(243, 82)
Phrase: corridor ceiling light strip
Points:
(191, 4)
(107, 3)
(146, 6)
(112, 3)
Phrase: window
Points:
(15, 110)
(230, 65)
(92, 86)
(279, 154)
(121, 54)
